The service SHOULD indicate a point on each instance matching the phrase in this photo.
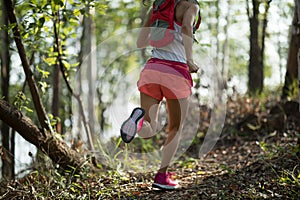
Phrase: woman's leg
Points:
(151, 106)
(177, 109)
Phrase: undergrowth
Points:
(248, 163)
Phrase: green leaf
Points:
(44, 73)
(72, 189)
(28, 109)
(74, 22)
(50, 116)
(26, 35)
(43, 85)
(66, 64)
(201, 173)
(76, 64)
(77, 185)
(100, 8)
(50, 60)
(117, 154)
(253, 127)
(118, 144)
(47, 18)
(76, 12)
(21, 96)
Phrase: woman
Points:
(165, 75)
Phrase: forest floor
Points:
(237, 169)
(258, 164)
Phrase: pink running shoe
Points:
(165, 182)
(132, 125)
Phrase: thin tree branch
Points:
(76, 96)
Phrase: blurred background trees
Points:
(250, 43)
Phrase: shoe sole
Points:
(164, 187)
(129, 127)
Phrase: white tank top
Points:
(173, 51)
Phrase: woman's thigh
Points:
(177, 109)
(151, 106)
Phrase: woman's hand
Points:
(193, 68)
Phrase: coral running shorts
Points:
(165, 79)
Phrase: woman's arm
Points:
(144, 35)
(187, 35)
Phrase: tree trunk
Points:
(91, 66)
(8, 160)
(225, 49)
(263, 35)
(56, 96)
(255, 74)
(298, 55)
(55, 148)
(41, 113)
(292, 63)
(217, 60)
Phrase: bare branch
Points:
(76, 96)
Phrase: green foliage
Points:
(292, 178)
(53, 120)
(38, 19)
(270, 150)
(108, 159)
(22, 101)
(293, 90)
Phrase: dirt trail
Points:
(235, 169)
